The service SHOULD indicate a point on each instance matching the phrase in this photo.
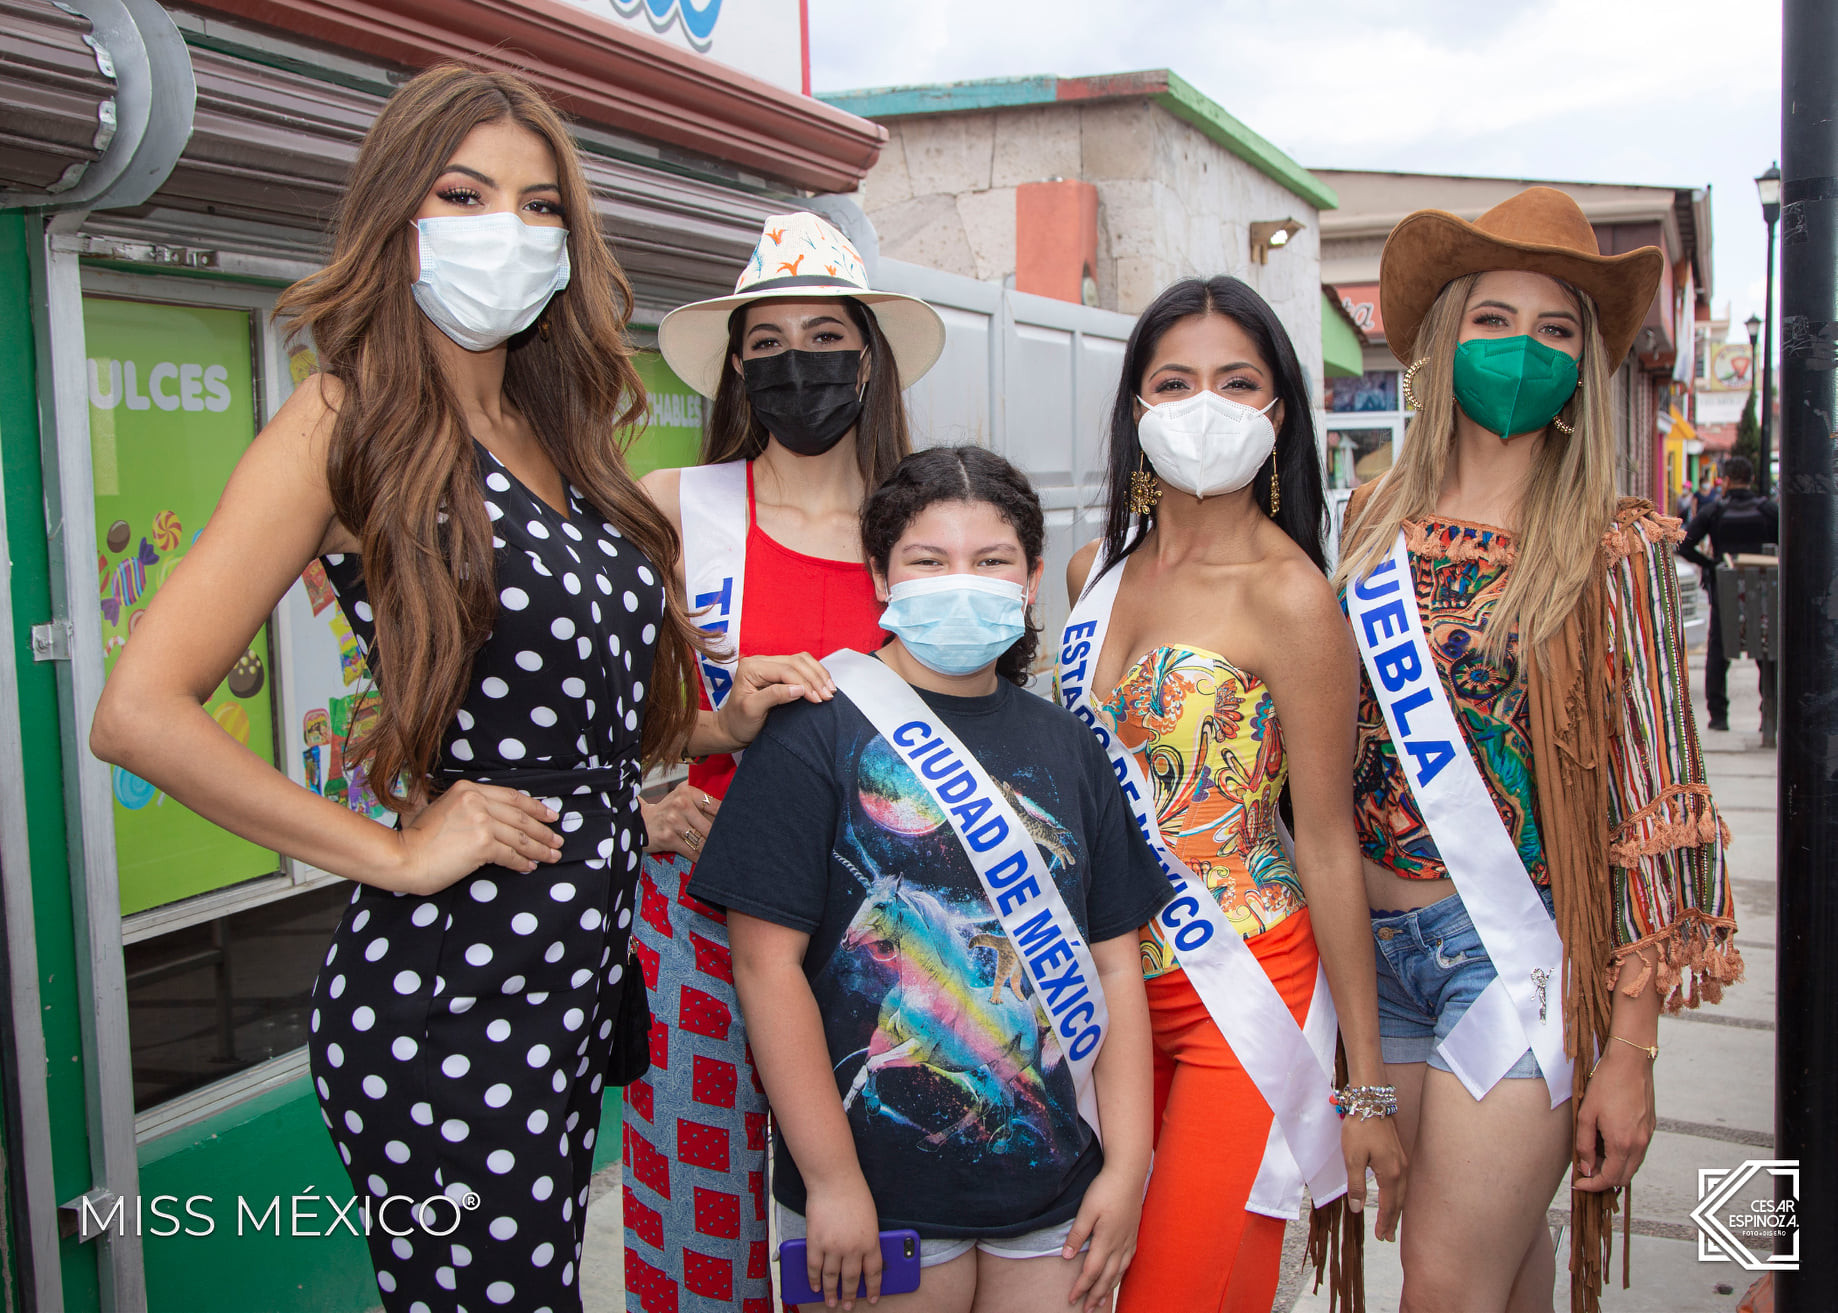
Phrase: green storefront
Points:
(171, 171)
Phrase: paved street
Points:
(1716, 1084)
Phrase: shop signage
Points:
(1362, 303)
(672, 431)
(171, 409)
(766, 38)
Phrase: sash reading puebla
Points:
(1522, 1008)
(1015, 879)
(713, 499)
(1292, 1066)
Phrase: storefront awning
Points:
(1342, 344)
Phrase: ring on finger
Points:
(706, 800)
(692, 837)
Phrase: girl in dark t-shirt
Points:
(865, 945)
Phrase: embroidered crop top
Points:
(1207, 738)
(1459, 570)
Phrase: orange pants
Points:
(1199, 1250)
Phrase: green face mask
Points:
(1512, 385)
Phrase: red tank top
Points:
(794, 603)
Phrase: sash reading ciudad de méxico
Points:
(1292, 1066)
(713, 499)
(1523, 1007)
(1015, 878)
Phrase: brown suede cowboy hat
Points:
(1541, 231)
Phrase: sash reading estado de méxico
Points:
(1522, 1008)
(714, 507)
(1015, 878)
(1292, 1066)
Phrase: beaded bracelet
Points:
(1366, 1101)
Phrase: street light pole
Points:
(1768, 186)
(1806, 1062)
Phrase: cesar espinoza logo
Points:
(1726, 1228)
(696, 19)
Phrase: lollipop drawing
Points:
(167, 531)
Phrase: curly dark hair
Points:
(967, 474)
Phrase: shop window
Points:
(221, 938)
(220, 996)
(1375, 390)
(1358, 455)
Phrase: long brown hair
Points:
(1569, 497)
(882, 438)
(401, 464)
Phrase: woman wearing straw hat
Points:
(805, 364)
(1543, 860)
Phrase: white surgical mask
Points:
(1205, 444)
(485, 277)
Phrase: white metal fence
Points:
(1032, 379)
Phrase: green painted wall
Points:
(22, 479)
(271, 1146)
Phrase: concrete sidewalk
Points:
(1715, 1079)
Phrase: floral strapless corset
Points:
(1206, 735)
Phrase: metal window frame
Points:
(38, 1223)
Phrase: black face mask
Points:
(806, 399)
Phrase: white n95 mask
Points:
(1205, 444)
(485, 277)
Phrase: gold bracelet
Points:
(1651, 1050)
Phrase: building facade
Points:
(1125, 182)
(163, 174)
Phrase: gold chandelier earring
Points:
(1410, 395)
(1145, 492)
(1276, 490)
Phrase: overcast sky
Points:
(1680, 93)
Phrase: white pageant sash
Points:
(713, 501)
(1292, 1066)
(1523, 1007)
(1015, 879)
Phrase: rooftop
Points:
(1162, 86)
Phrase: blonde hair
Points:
(1568, 501)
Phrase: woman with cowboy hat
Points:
(1543, 860)
(805, 364)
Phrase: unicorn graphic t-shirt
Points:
(963, 1111)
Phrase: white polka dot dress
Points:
(459, 1041)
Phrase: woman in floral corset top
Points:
(1206, 654)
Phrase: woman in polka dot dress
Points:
(514, 595)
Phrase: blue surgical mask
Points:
(956, 624)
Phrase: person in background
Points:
(1741, 522)
(1207, 645)
(457, 469)
(1545, 863)
(936, 1053)
(805, 365)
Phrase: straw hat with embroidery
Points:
(1542, 231)
(799, 257)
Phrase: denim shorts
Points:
(1431, 968)
(1033, 1244)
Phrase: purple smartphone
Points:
(899, 1269)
